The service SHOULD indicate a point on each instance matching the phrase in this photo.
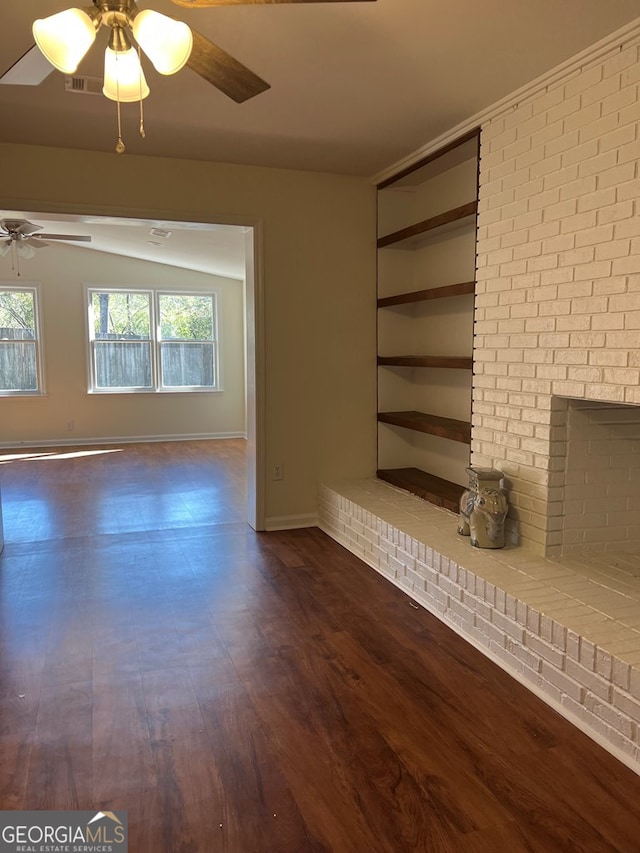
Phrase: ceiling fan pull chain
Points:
(142, 133)
(120, 146)
(15, 259)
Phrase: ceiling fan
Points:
(21, 236)
(169, 45)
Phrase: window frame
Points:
(155, 342)
(35, 288)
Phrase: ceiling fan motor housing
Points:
(117, 12)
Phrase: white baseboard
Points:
(127, 439)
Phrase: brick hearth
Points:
(567, 628)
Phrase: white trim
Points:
(126, 439)
(255, 382)
(591, 54)
(292, 522)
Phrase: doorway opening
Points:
(150, 252)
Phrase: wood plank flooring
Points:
(259, 693)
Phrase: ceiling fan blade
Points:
(74, 238)
(30, 70)
(201, 4)
(223, 71)
(28, 230)
(36, 244)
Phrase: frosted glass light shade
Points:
(4, 248)
(65, 38)
(166, 42)
(124, 79)
(26, 251)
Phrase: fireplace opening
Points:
(601, 500)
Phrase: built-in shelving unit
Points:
(426, 285)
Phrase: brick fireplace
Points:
(556, 407)
(558, 281)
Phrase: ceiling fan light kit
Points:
(18, 249)
(66, 37)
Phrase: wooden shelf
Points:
(453, 362)
(445, 292)
(419, 229)
(449, 428)
(426, 486)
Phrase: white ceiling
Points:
(356, 86)
(213, 249)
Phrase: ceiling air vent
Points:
(83, 85)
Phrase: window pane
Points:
(17, 315)
(121, 316)
(186, 317)
(18, 359)
(123, 364)
(187, 365)
(18, 369)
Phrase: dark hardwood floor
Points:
(259, 693)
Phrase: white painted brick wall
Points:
(558, 272)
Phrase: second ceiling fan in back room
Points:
(22, 238)
(64, 38)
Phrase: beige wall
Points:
(318, 279)
(62, 272)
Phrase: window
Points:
(152, 341)
(20, 371)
